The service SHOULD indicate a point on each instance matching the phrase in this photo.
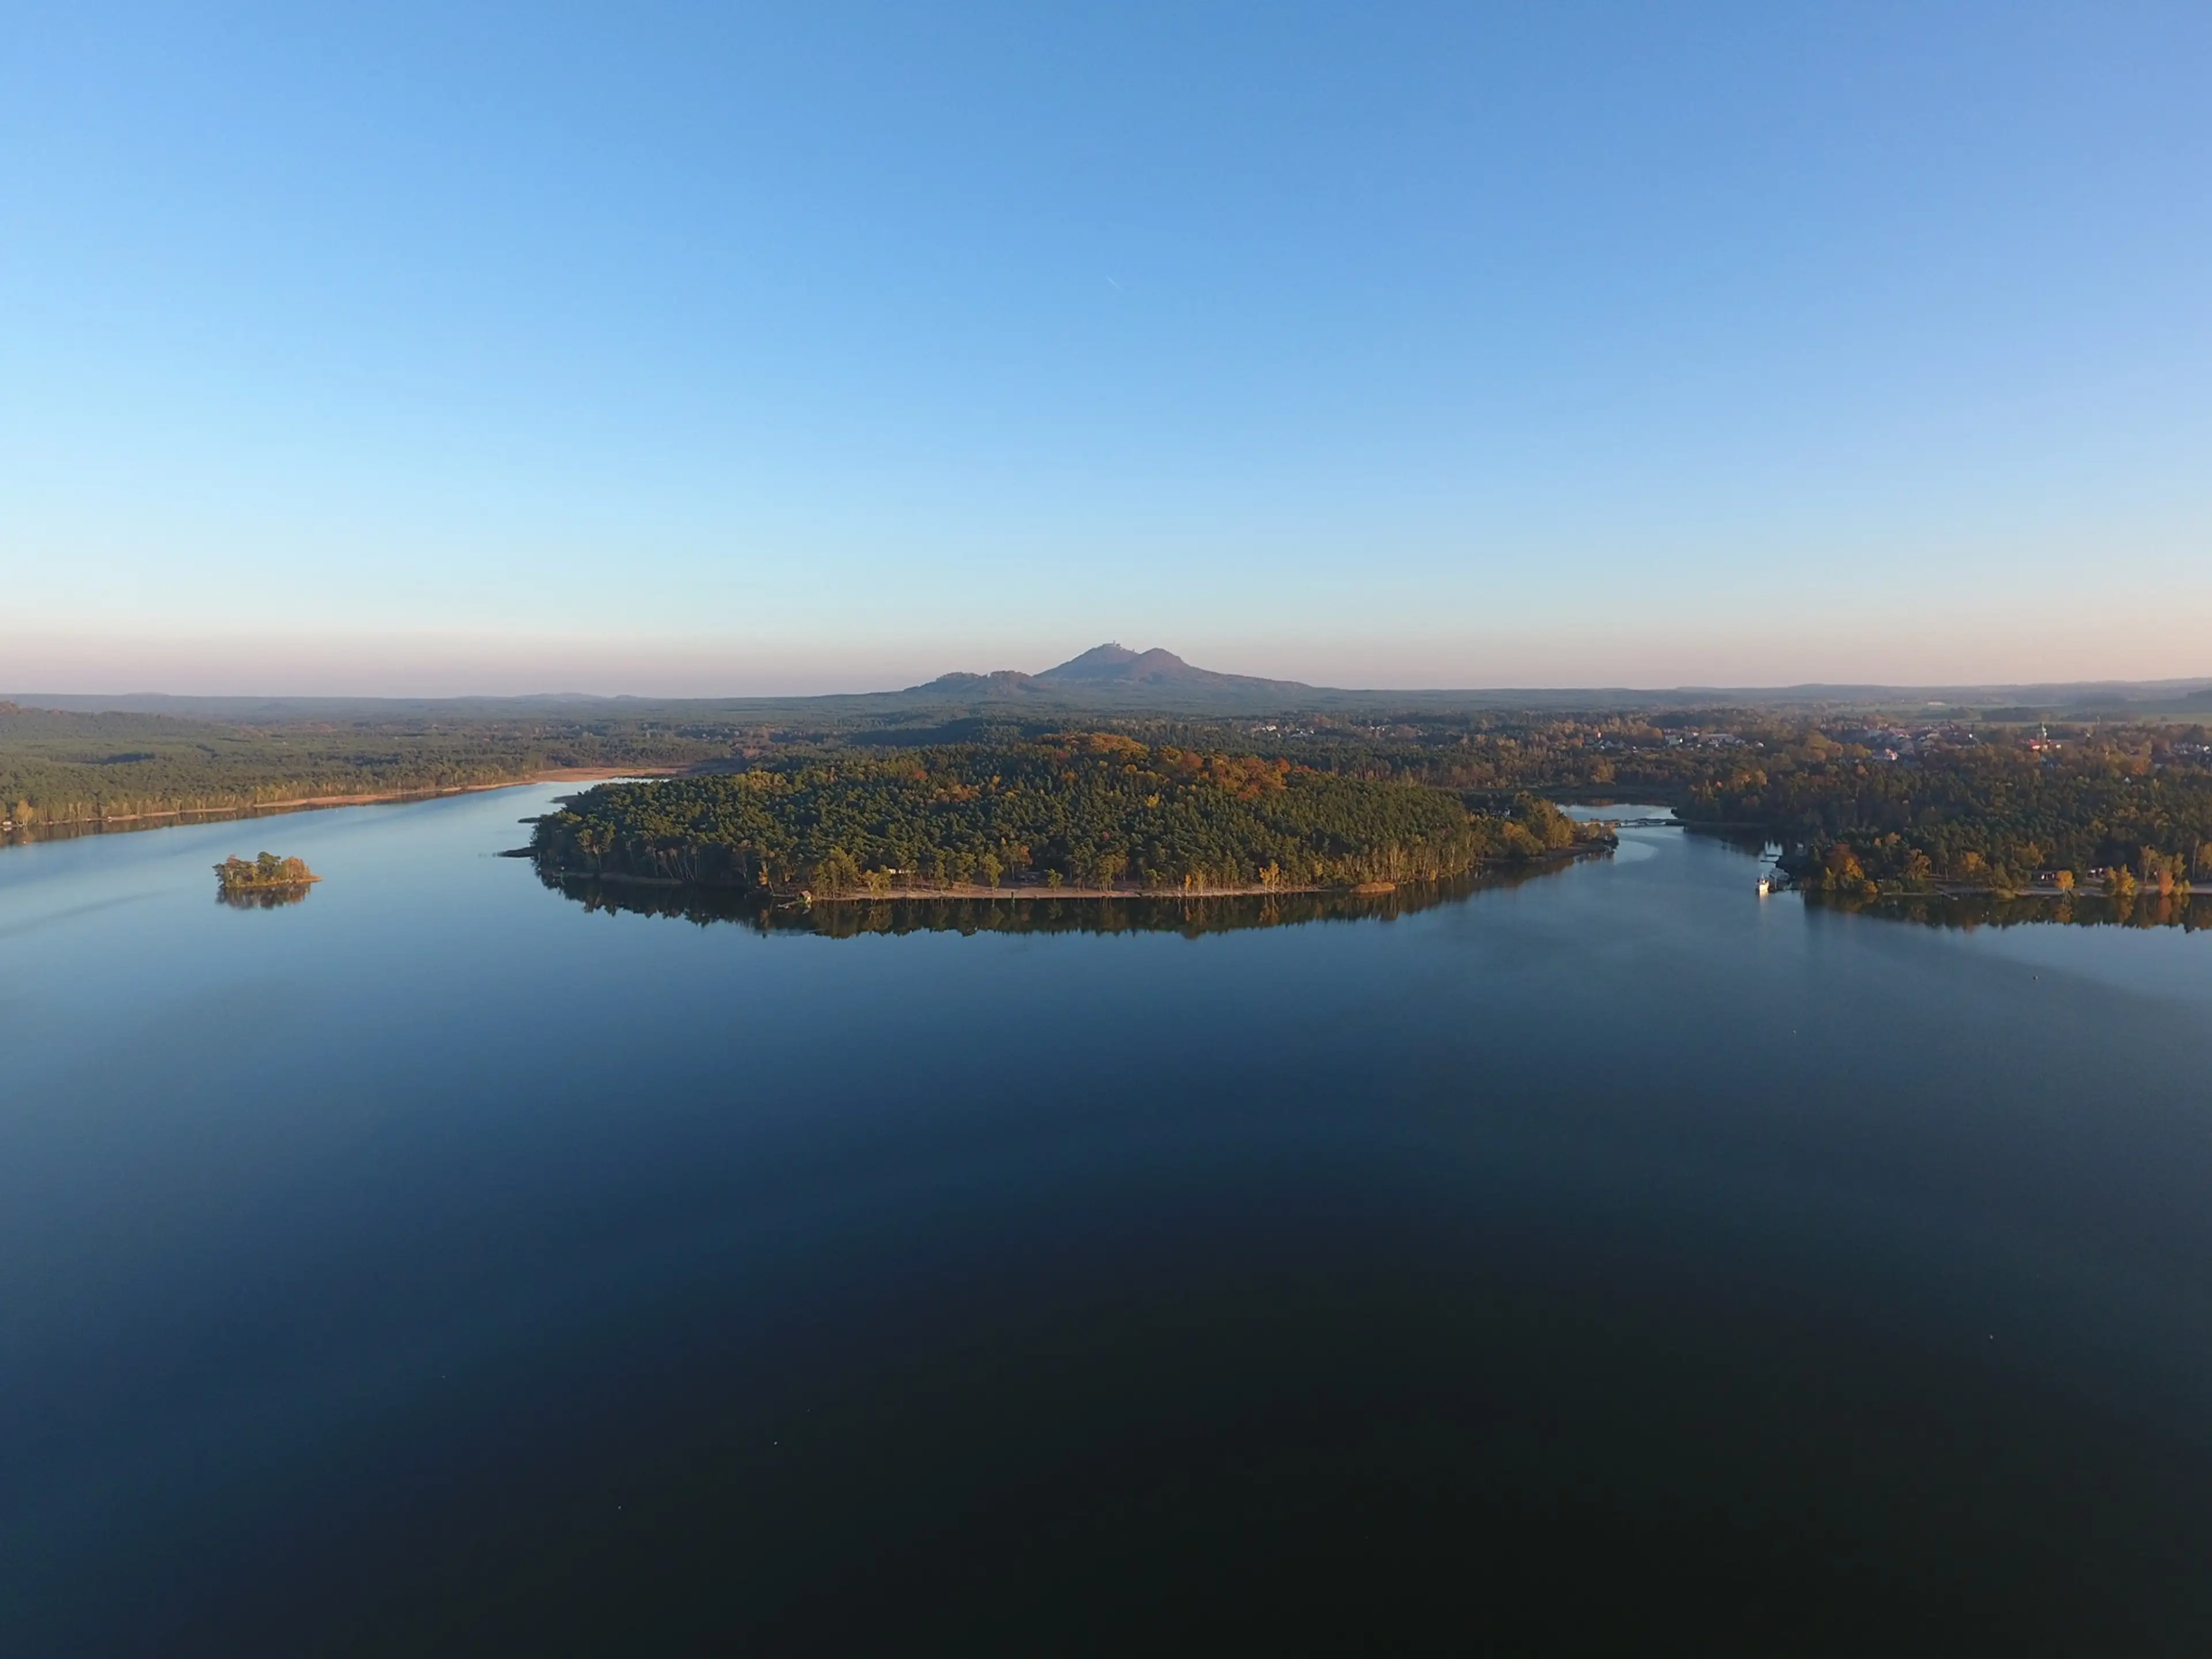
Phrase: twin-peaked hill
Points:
(1111, 669)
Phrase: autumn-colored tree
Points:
(1843, 867)
(265, 870)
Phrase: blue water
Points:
(437, 1265)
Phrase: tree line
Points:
(2004, 816)
(61, 767)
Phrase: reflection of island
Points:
(262, 883)
(1031, 911)
(259, 898)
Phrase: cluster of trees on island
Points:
(1089, 811)
(264, 870)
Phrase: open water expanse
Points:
(441, 1265)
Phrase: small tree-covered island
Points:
(264, 872)
(1082, 813)
(237, 875)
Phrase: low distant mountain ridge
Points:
(1108, 668)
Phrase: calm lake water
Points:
(441, 1265)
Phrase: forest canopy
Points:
(1994, 816)
(59, 769)
(1095, 810)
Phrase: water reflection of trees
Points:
(30, 834)
(1734, 837)
(261, 898)
(1033, 913)
(2141, 909)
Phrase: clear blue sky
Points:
(449, 348)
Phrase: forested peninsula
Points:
(63, 770)
(1088, 813)
(1988, 817)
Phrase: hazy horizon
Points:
(488, 677)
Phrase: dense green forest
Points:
(2003, 816)
(1087, 810)
(59, 769)
(1858, 808)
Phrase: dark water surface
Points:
(1609, 1262)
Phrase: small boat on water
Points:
(1765, 885)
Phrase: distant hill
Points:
(1115, 678)
(1108, 668)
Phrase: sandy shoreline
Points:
(1026, 892)
(1367, 889)
(552, 774)
(1086, 893)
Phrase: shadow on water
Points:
(261, 898)
(1971, 910)
(14, 833)
(2145, 908)
(1033, 913)
(1735, 837)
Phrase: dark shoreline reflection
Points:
(2144, 907)
(262, 899)
(1034, 912)
(1971, 910)
(1735, 837)
(36, 834)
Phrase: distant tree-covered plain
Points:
(62, 770)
